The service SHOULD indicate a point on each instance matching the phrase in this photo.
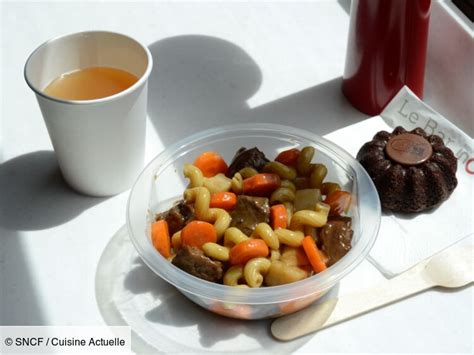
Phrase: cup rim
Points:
(143, 78)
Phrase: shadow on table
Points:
(19, 303)
(346, 5)
(34, 195)
(200, 82)
(320, 109)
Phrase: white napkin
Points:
(403, 240)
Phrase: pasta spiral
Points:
(201, 198)
(254, 271)
(280, 273)
(216, 251)
(233, 275)
(274, 255)
(237, 183)
(194, 174)
(289, 237)
(233, 236)
(323, 208)
(307, 217)
(265, 232)
(290, 209)
(176, 240)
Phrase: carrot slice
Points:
(288, 157)
(224, 200)
(197, 233)
(278, 216)
(261, 184)
(301, 257)
(160, 237)
(340, 201)
(313, 254)
(211, 163)
(246, 250)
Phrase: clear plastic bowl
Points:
(162, 182)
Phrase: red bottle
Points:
(386, 50)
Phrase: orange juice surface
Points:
(90, 83)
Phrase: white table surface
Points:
(215, 63)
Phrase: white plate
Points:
(161, 319)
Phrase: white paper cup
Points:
(99, 143)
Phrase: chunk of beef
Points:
(346, 221)
(178, 216)
(335, 238)
(193, 261)
(249, 212)
(244, 157)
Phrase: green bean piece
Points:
(303, 165)
(301, 183)
(328, 188)
(288, 184)
(285, 172)
(282, 194)
(317, 175)
(248, 172)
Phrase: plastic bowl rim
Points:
(274, 294)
